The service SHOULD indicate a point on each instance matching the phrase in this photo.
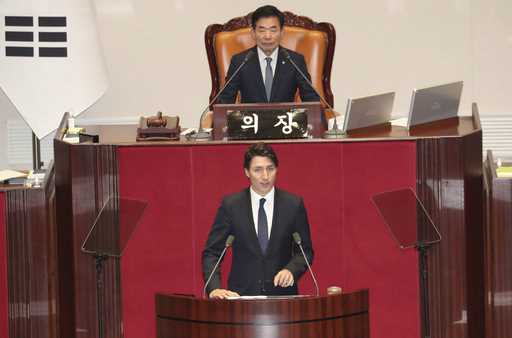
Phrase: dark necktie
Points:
(269, 77)
(262, 226)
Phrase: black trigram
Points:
(15, 32)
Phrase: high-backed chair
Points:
(316, 41)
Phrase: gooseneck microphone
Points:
(335, 132)
(202, 134)
(229, 242)
(298, 241)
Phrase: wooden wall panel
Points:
(449, 181)
(450, 186)
(498, 251)
(87, 178)
(31, 257)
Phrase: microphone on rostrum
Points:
(298, 241)
(229, 242)
(335, 132)
(202, 134)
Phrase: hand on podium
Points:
(283, 278)
(222, 294)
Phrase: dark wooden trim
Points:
(290, 19)
(449, 176)
(344, 315)
(498, 251)
(32, 282)
(84, 171)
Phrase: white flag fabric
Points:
(51, 60)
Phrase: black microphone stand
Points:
(203, 135)
(422, 250)
(297, 239)
(99, 259)
(334, 132)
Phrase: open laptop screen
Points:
(434, 103)
(368, 111)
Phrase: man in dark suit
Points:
(262, 218)
(268, 75)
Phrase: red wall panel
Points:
(353, 249)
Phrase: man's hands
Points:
(284, 278)
(222, 294)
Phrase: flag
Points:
(50, 59)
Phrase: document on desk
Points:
(247, 297)
(8, 174)
(266, 297)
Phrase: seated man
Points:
(262, 218)
(268, 76)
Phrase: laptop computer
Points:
(368, 111)
(434, 103)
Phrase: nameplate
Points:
(267, 124)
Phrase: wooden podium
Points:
(183, 182)
(325, 316)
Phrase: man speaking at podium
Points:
(262, 219)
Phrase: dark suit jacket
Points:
(249, 80)
(252, 272)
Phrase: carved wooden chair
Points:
(316, 41)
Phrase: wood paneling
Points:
(449, 182)
(328, 316)
(31, 257)
(498, 258)
(450, 186)
(86, 179)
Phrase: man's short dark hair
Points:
(266, 12)
(260, 149)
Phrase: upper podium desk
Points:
(184, 182)
(124, 135)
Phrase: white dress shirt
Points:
(263, 63)
(268, 206)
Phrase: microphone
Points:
(335, 132)
(229, 242)
(298, 241)
(202, 134)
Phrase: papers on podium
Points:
(267, 297)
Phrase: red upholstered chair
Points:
(316, 41)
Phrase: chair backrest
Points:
(316, 41)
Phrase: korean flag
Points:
(50, 59)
